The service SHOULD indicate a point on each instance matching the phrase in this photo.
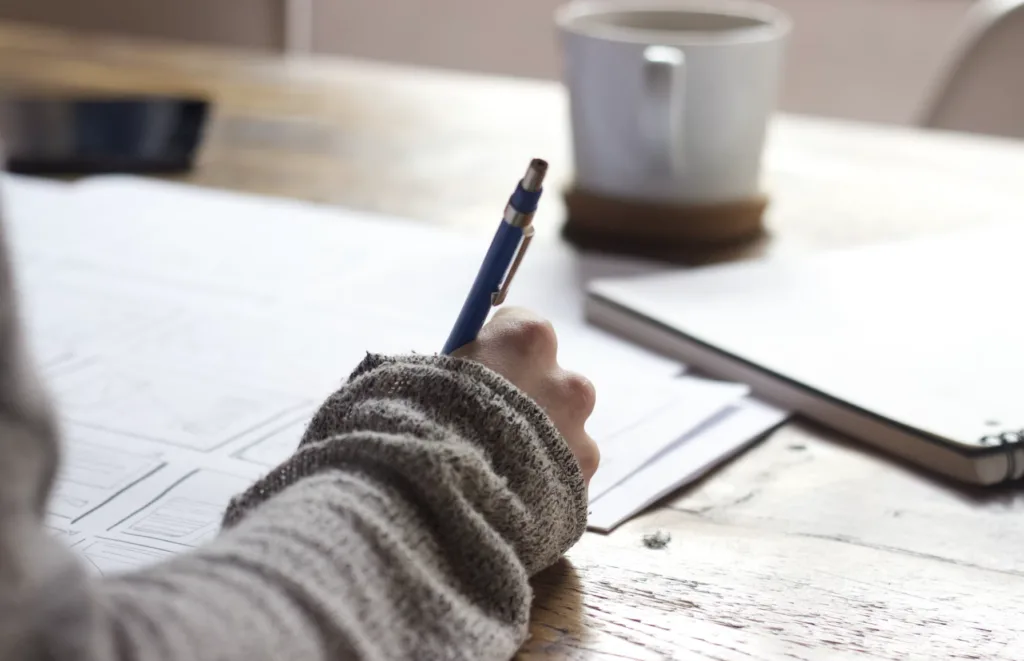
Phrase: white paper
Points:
(691, 457)
(625, 450)
(92, 474)
(188, 513)
(275, 445)
(187, 409)
(188, 335)
(108, 556)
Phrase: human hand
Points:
(522, 347)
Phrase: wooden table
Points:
(807, 547)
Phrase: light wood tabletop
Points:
(806, 547)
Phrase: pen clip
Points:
(498, 297)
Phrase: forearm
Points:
(331, 569)
(424, 495)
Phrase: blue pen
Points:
(502, 259)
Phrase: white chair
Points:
(982, 91)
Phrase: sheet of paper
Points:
(687, 460)
(184, 408)
(123, 500)
(109, 556)
(188, 513)
(686, 403)
(93, 474)
(188, 335)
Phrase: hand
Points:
(523, 347)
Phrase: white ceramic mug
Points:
(670, 100)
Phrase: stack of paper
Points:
(188, 335)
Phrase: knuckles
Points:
(535, 336)
(578, 393)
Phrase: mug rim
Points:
(774, 23)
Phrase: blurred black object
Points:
(91, 135)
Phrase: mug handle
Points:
(661, 115)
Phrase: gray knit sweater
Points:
(423, 495)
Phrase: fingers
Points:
(569, 399)
(514, 312)
(532, 339)
(577, 393)
(572, 401)
(587, 453)
(523, 333)
(522, 346)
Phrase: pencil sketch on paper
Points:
(183, 410)
(106, 557)
(186, 514)
(91, 475)
(274, 448)
(60, 530)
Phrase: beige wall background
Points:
(861, 59)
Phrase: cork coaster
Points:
(697, 233)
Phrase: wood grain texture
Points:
(806, 547)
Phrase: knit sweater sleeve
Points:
(422, 497)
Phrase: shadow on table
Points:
(556, 624)
(1009, 495)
